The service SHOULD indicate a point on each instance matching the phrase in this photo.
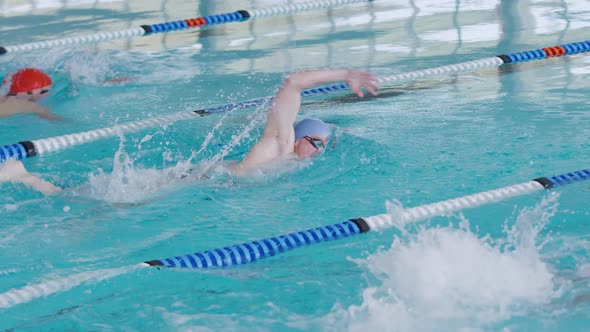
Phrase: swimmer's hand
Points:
(44, 113)
(358, 78)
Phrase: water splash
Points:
(254, 119)
(448, 278)
(395, 209)
(89, 68)
(129, 183)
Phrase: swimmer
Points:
(20, 92)
(280, 140)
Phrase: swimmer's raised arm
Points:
(278, 137)
(283, 112)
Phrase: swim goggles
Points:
(315, 142)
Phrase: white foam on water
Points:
(128, 183)
(88, 67)
(449, 279)
(583, 271)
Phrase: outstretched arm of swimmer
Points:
(14, 171)
(278, 136)
(11, 106)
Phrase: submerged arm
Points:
(42, 186)
(11, 106)
(14, 171)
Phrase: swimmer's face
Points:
(310, 146)
(34, 95)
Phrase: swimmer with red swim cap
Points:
(19, 93)
(21, 90)
(280, 140)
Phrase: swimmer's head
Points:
(27, 83)
(311, 137)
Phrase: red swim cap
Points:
(27, 79)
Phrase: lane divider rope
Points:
(27, 149)
(250, 252)
(198, 22)
(45, 288)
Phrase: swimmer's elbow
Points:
(295, 81)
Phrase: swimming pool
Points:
(519, 264)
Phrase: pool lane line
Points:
(190, 23)
(250, 252)
(44, 288)
(27, 149)
(42, 5)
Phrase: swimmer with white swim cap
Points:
(20, 91)
(310, 136)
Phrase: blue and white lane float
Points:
(27, 149)
(250, 252)
(190, 23)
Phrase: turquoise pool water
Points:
(68, 261)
